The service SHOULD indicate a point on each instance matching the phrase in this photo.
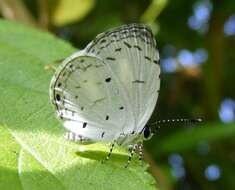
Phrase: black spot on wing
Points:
(121, 108)
(84, 125)
(118, 49)
(137, 47)
(127, 44)
(58, 97)
(107, 117)
(103, 41)
(110, 58)
(156, 62)
(61, 115)
(108, 79)
(138, 81)
(148, 58)
(102, 135)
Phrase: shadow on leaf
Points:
(101, 155)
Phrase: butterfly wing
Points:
(130, 52)
(87, 98)
(111, 87)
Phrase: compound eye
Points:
(147, 132)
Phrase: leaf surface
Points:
(34, 154)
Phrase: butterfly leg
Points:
(52, 66)
(140, 152)
(75, 137)
(131, 151)
(109, 154)
(70, 136)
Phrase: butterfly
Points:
(108, 91)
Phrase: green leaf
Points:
(68, 11)
(9, 152)
(34, 154)
(185, 139)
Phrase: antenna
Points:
(163, 122)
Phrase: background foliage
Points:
(196, 39)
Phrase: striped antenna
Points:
(163, 122)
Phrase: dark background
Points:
(196, 40)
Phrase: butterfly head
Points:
(147, 133)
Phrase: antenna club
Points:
(196, 120)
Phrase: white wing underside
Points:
(111, 87)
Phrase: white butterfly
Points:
(108, 91)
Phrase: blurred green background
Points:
(196, 40)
